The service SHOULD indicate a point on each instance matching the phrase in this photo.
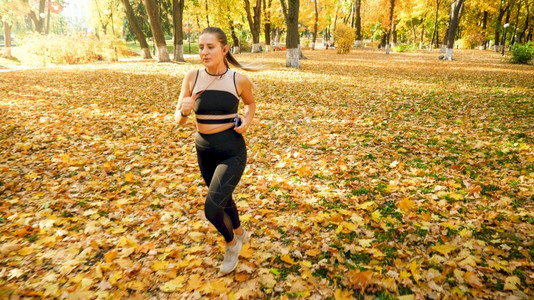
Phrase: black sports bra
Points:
(216, 95)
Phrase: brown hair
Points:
(228, 58)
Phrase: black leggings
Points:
(222, 158)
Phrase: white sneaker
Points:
(231, 257)
(244, 237)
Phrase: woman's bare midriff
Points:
(214, 128)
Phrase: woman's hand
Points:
(241, 129)
(187, 105)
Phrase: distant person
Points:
(213, 93)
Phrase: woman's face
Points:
(211, 51)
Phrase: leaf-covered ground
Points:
(368, 174)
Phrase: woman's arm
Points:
(244, 87)
(185, 103)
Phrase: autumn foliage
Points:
(368, 174)
(40, 50)
(344, 37)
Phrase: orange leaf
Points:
(358, 279)
(129, 177)
(405, 204)
(246, 251)
(473, 280)
(110, 256)
(287, 258)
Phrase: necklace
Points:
(219, 75)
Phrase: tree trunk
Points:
(434, 35)
(136, 29)
(358, 21)
(422, 40)
(498, 24)
(7, 40)
(207, 13)
(456, 13)
(234, 36)
(414, 33)
(38, 20)
(524, 31)
(315, 25)
(47, 30)
(157, 32)
(446, 37)
(484, 27)
(390, 29)
(177, 16)
(267, 26)
(254, 23)
(291, 13)
(513, 40)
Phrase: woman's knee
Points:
(212, 211)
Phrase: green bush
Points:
(344, 37)
(522, 54)
(403, 48)
(38, 49)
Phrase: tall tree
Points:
(38, 18)
(177, 16)
(254, 23)
(456, 13)
(503, 9)
(11, 12)
(358, 20)
(522, 34)
(391, 24)
(291, 13)
(157, 32)
(136, 29)
(267, 4)
(434, 33)
(315, 24)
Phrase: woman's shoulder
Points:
(241, 78)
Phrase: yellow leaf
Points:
(304, 171)
(173, 285)
(25, 251)
(246, 251)
(306, 263)
(444, 249)
(414, 267)
(511, 283)
(128, 177)
(365, 242)
(122, 202)
(110, 256)
(449, 225)
(136, 285)
(376, 215)
(407, 297)
(196, 236)
(367, 205)
(160, 265)
(406, 204)
(346, 227)
(343, 295)
(287, 258)
(313, 252)
(119, 229)
(456, 196)
(470, 260)
(194, 282)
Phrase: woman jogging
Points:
(213, 94)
